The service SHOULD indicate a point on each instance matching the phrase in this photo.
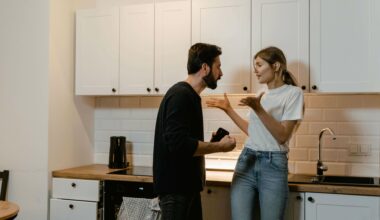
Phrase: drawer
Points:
(87, 190)
(61, 209)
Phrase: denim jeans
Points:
(262, 174)
(181, 206)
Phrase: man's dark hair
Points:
(201, 53)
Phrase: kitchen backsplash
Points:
(354, 118)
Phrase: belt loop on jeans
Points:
(270, 156)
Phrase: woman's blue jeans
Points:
(262, 174)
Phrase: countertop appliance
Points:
(118, 152)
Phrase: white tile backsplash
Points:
(354, 118)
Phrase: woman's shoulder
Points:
(294, 89)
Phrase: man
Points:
(179, 148)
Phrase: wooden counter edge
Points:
(100, 172)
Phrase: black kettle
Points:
(118, 153)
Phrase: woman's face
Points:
(263, 70)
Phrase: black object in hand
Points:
(220, 133)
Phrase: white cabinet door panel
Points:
(283, 24)
(97, 52)
(136, 48)
(172, 42)
(321, 206)
(226, 23)
(344, 45)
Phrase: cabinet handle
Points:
(310, 199)
(209, 191)
(148, 89)
(156, 89)
(299, 198)
(73, 185)
(314, 87)
(141, 188)
(113, 90)
(303, 87)
(245, 88)
(71, 206)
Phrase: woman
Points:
(262, 168)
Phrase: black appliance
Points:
(118, 152)
(114, 191)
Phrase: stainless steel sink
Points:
(334, 180)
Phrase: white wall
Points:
(24, 29)
(43, 126)
(70, 117)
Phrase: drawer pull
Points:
(141, 188)
(71, 206)
(73, 185)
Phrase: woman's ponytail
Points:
(288, 78)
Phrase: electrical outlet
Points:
(360, 149)
(354, 149)
(364, 149)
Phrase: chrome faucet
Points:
(320, 167)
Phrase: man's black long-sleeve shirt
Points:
(179, 127)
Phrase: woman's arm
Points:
(225, 105)
(281, 131)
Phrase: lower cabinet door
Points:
(61, 209)
(296, 206)
(216, 203)
(321, 206)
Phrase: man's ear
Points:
(206, 68)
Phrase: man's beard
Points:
(210, 80)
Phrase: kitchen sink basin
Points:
(334, 180)
(350, 180)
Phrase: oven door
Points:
(114, 191)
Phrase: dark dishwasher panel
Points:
(114, 191)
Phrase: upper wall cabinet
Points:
(284, 24)
(97, 52)
(149, 53)
(226, 23)
(345, 45)
(154, 40)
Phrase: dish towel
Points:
(139, 209)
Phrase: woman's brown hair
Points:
(273, 55)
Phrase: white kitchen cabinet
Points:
(226, 23)
(344, 45)
(137, 48)
(172, 42)
(321, 206)
(283, 24)
(216, 203)
(154, 41)
(97, 52)
(75, 199)
(296, 206)
(149, 54)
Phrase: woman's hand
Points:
(223, 104)
(252, 101)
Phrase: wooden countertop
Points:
(213, 178)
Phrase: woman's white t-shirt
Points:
(283, 103)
